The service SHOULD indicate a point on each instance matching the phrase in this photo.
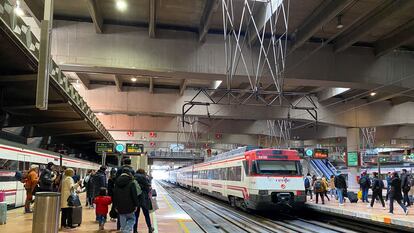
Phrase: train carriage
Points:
(17, 157)
(257, 179)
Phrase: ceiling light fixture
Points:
(133, 79)
(121, 5)
(339, 24)
(372, 93)
(18, 10)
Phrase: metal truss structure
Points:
(188, 131)
(368, 139)
(279, 133)
(255, 46)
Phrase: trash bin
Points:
(46, 212)
(3, 213)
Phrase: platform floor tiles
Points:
(169, 218)
(362, 211)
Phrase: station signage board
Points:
(107, 147)
(134, 148)
(352, 159)
(320, 153)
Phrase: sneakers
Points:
(101, 227)
(369, 206)
(391, 213)
(341, 204)
(406, 211)
(384, 208)
(151, 230)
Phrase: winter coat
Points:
(98, 181)
(340, 182)
(325, 184)
(377, 184)
(332, 183)
(405, 182)
(87, 183)
(31, 180)
(125, 199)
(365, 184)
(143, 181)
(111, 186)
(125, 169)
(67, 186)
(395, 191)
(102, 203)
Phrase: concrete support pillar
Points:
(138, 162)
(352, 144)
(144, 162)
(135, 162)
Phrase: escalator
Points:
(323, 167)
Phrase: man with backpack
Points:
(126, 200)
(341, 187)
(405, 186)
(364, 183)
(308, 188)
(46, 178)
(377, 186)
(319, 187)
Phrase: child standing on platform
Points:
(102, 201)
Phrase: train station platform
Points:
(168, 218)
(362, 212)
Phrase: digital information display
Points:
(352, 159)
(319, 153)
(107, 147)
(134, 148)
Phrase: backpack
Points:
(363, 181)
(307, 183)
(318, 186)
(46, 178)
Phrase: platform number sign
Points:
(104, 147)
(352, 159)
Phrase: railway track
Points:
(215, 216)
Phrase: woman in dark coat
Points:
(145, 200)
(395, 193)
(88, 184)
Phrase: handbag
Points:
(153, 192)
(73, 200)
(154, 205)
(113, 213)
(360, 194)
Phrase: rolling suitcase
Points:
(353, 197)
(77, 215)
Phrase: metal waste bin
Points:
(46, 212)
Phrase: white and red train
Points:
(17, 157)
(257, 179)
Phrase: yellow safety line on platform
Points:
(180, 221)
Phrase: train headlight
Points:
(263, 192)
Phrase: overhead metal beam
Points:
(403, 35)
(264, 14)
(209, 9)
(324, 13)
(331, 92)
(84, 78)
(40, 133)
(152, 18)
(183, 86)
(118, 83)
(96, 15)
(26, 107)
(151, 85)
(379, 15)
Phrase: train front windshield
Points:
(277, 167)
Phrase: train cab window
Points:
(277, 167)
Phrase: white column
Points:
(352, 144)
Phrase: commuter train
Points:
(17, 157)
(259, 179)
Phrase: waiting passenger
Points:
(395, 193)
(46, 178)
(102, 201)
(325, 184)
(319, 188)
(377, 186)
(126, 167)
(67, 185)
(341, 188)
(406, 186)
(145, 200)
(308, 186)
(126, 201)
(30, 184)
(332, 189)
(88, 185)
(364, 183)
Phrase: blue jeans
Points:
(340, 193)
(127, 222)
(398, 201)
(101, 219)
(365, 194)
